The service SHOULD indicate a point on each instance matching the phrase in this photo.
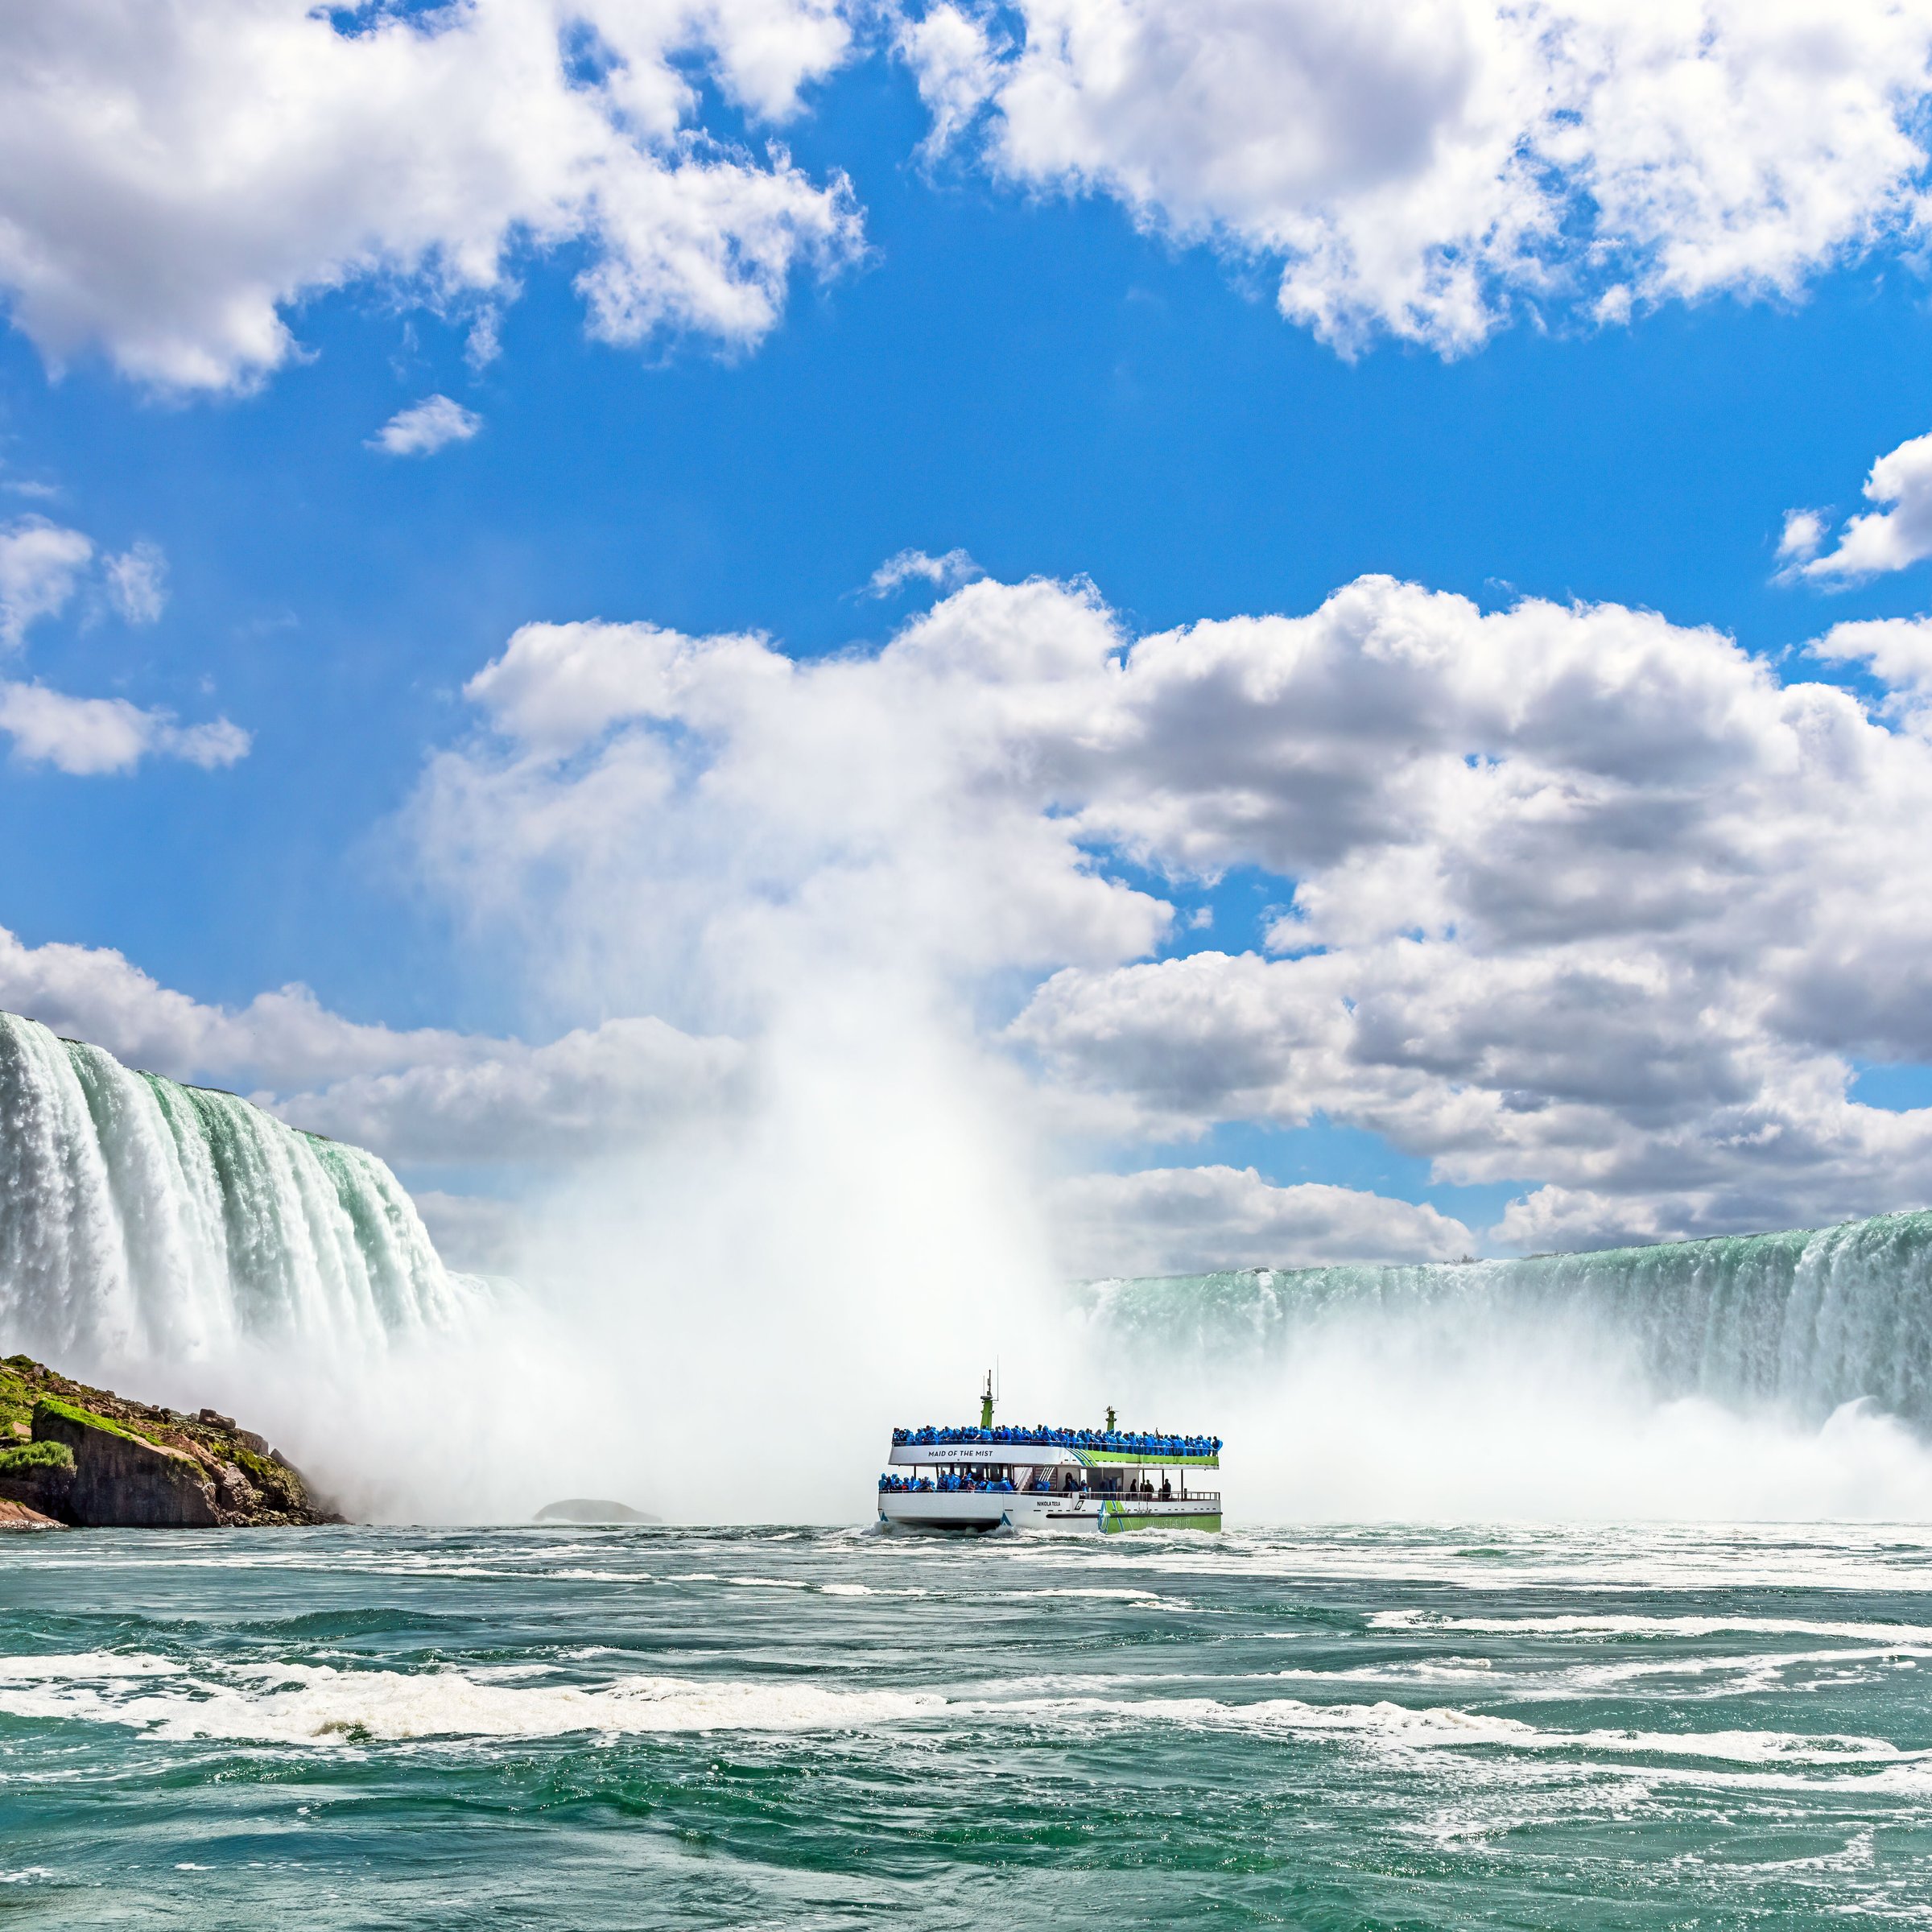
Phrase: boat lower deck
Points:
(1065, 1513)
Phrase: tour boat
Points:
(1078, 1481)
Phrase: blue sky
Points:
(1049, 380)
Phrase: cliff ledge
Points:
(90, 1459)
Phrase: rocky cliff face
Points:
(93, 1460)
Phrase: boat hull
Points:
(977, 1512)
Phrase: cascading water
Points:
(1805, 1320)
(1786, 1375)
(141, 1220)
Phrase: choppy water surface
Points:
(643, 1727)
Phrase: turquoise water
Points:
(571, 1727)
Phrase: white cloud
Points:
(580, 1097)
(88, 736)
(1420, 166)
(1884, 539)
(173, 178)
(1186, 1220)
(429, 1096)
(648, 801)
(1898, 651)
(1579, 900)
(426, 426)
(40, 563)
(558, 686)
(957, 57)
(1804, 531)
(137, 582)
(947, 572)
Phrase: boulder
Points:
(17, 1516)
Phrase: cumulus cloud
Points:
(1803, 534)
(426, 426)
(40, 563)
(1884, 539)
(1185, 1220)
(1898, 652)
(1578, 900)
(427, 1094)
(1421, 168)
(87, 737)
(947, 572)
(174, 177)
(693, 818)
(595, 1089)
(1575, 900)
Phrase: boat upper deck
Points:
(1041, 1445)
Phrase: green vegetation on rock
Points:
(51, 1406)
(89, 1457)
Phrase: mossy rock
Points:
(97, 1458)
(52, 1405)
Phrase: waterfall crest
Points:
(1806, 1320)
(140, 1219)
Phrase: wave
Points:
(318, 1705)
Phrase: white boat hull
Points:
(977, 1511)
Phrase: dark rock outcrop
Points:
(121, 1478)
(91, 1458)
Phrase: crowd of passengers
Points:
(949, 1485)
(1118, 1439)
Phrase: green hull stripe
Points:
(1095, 1458)
(1113, 1526)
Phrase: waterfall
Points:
(143, 1220)
(1804, 1321)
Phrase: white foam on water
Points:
(1590, 1624)
(82, 1665)
(317, 1704)
(1139, 1599)
(1747, 1675)
(1595, 1561)
(1446, 1727)
(1761, 1669)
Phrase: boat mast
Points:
(986, 1402)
